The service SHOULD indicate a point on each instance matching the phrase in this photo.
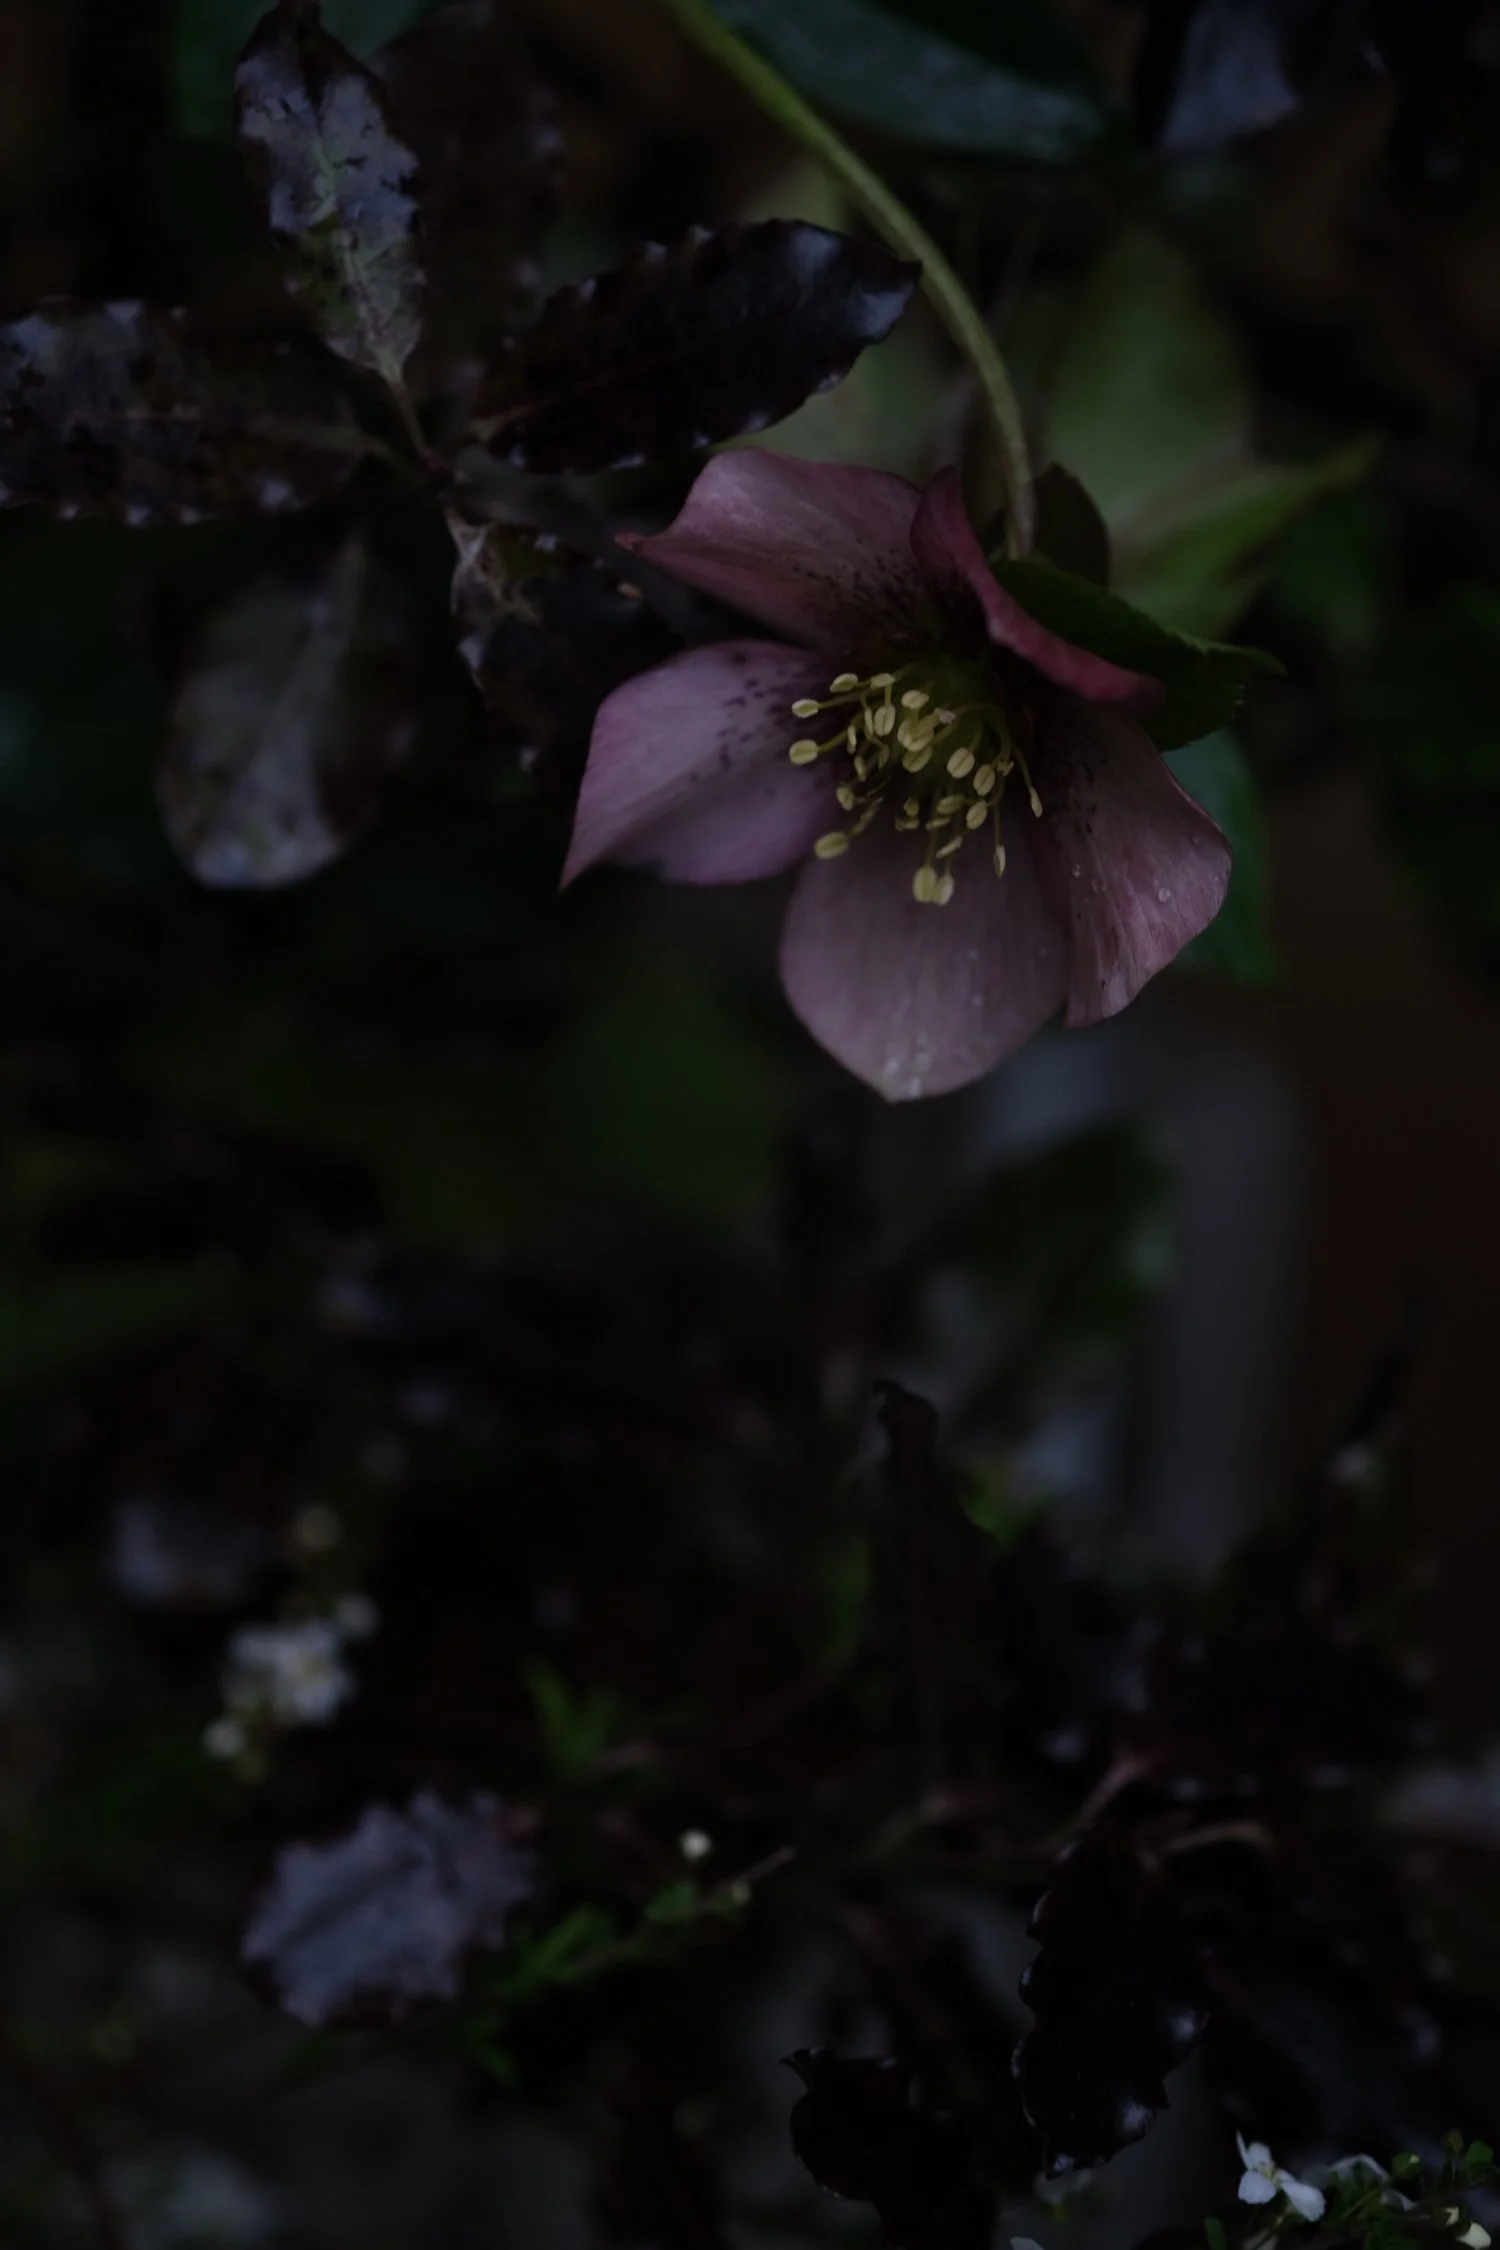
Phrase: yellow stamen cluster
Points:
(930, 742)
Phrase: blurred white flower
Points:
(1264, 2180)
(196, 2199)
(292, 1674)
(288, 1675)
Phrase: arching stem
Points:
(891, 219)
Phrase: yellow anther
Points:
(852, 737)
(942, 890)
(954, 844)
(915, 760)
(914, 699)
(924, 885)
(976, 816)
(832, 845)
(913, 808)
(805, 707)
(843, 683)
(948, 806)
(862, 768)
(999, 859)
(883, 719)
(846, 797)
(882, 679)
(1033, 799)
(961, 763)
(905, 823)
(803, 753)
(984, 780)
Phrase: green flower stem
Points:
(889, 215)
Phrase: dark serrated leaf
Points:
(1211, 71)
(337, 187)
(293, 712)
(1327, 2026)
(950, 2024)
(862, 2136)
(1206, 681)
(490, 153)
(1118, 1996)
(1001, 82)
(545, 646)
(680, 348)
(124, 411)
(208, 35)
(382, 1920)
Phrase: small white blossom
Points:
(356, 1616)
(226, 1738)
(1264, 2180)
(694, 1843)
(292, 1674)
(288, 1675)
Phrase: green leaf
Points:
(1201, 575)
(209, 35)
(1006, 82)
(337, 187)
(1206, 681)
(1070, 531)
(1146, 393)
(1237, 943)
(293, 714)
(1146, 400)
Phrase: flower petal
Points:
(1134, 866)
(920, 999)
(688, 770)
(1257, 2187)
(820, 551)
(952, 559)
(1306, 2201)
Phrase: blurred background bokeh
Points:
(513, 1260)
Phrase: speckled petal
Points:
(952, 560)
(819, 551)
(1135, 865)
(688, 772)
(920, 999)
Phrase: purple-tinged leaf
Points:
(485, 135)
(1118, 1996)
(295, 710)
(680, 348)
(125, 411)
(861, 2135)
(382, 1920)
(545, 643)
(337, 186)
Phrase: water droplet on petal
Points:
(1163, 898)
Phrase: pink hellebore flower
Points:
(992, 833)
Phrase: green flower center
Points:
(930, 745)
